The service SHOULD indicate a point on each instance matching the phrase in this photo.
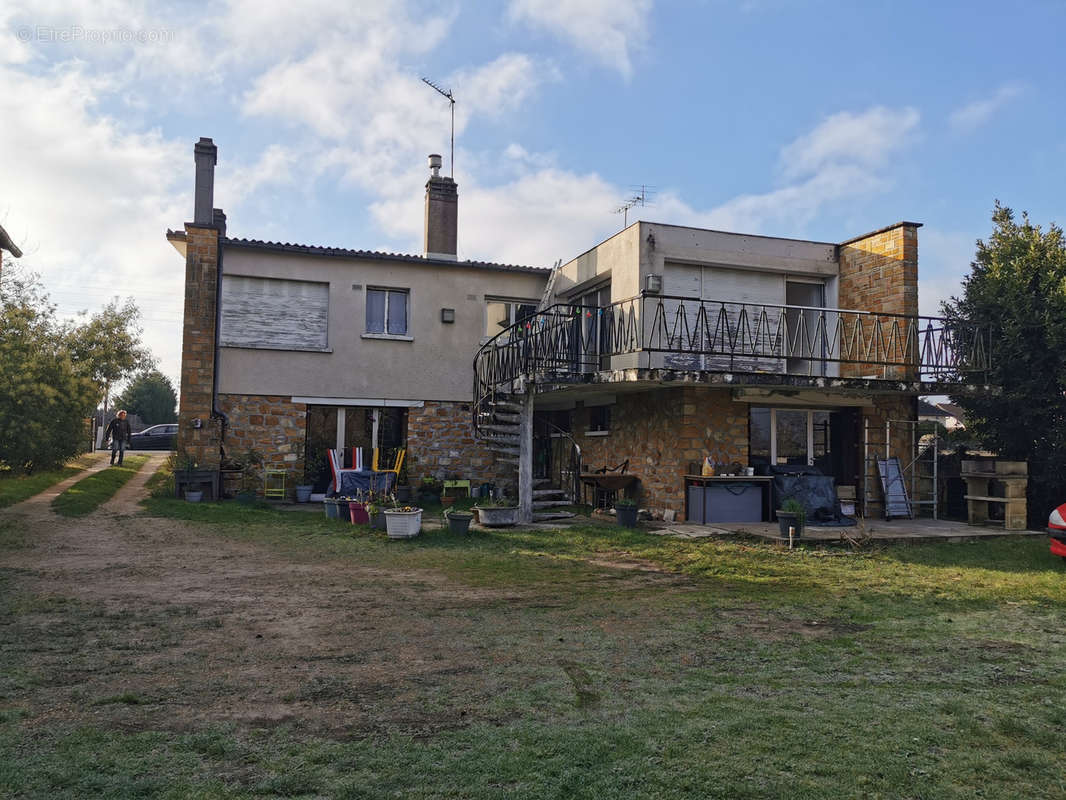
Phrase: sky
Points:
(815, 120)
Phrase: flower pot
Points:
(358, 513)
(626, 516)
(193, 497)
(330, 504)
(790, 519)
(497, 516)
(403, 493)
(303, 493)
(459, 521)
(403, 524)
(377, 521)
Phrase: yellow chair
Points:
(395, 468)
(274, 483)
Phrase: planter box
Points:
(403, 524)
(331, 507)
(358, 514)
(500, 517)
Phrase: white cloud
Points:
(865, 139)
(609, 30)
(973, 115)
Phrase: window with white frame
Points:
(386, 311)
(501, 314)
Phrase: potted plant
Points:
(403, 522)
(458, 521)
(496, 513)
(625, 511)
(187, 475)
(331, 507)
(375, 509)
(303, 490)
(793, 515)
(357, 510)
(251, 463)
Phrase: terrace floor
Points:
(897, 530)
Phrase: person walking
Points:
(119, 431)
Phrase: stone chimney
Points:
(442, 214)
(206, 156)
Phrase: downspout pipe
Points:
(219, 220)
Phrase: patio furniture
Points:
(606, 482)
(718, 498)
(396, 465)
(355, 479)
(274, 483)
(196, 480)
(456, 484)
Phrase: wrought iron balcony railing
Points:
(684, 333)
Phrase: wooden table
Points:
(706, 480)
(607, 481)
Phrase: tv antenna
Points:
(642, 196)
(451, 100)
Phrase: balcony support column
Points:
(525, 456)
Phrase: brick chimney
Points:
(442, 214)
(206, 155)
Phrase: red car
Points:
(1056, 528)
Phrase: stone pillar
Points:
(199, 434)
(525, 457)
(879, 273)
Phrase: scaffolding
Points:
(918, 464)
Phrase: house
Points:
(949, 415)
(665, 345)
(290, 349)
(661, 346)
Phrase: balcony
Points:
(654, 338)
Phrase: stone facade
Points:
(274, 426)
(201, 443)
(879, 273)
(890, 407)
(440, 443)
(661, 432)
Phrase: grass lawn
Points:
(16, 488)
(590, 662)
(88, 494)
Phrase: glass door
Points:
(805, 333)
(790, 437)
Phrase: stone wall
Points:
(879, 273)
(198, 348)
(440, 443)
(661, 432)
(275, 426)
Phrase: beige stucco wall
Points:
(434, 365)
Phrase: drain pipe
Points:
(219, 219)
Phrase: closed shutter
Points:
(274, 314)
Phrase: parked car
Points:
(158, 437)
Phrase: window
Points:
(599, 419)
(502, 314)
(274, 314)
(386, 311)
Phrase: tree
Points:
(151, 396)
(109, 345)
(45, 397)
(1017, 285)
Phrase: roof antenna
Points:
(451, 100)
(642, 196)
